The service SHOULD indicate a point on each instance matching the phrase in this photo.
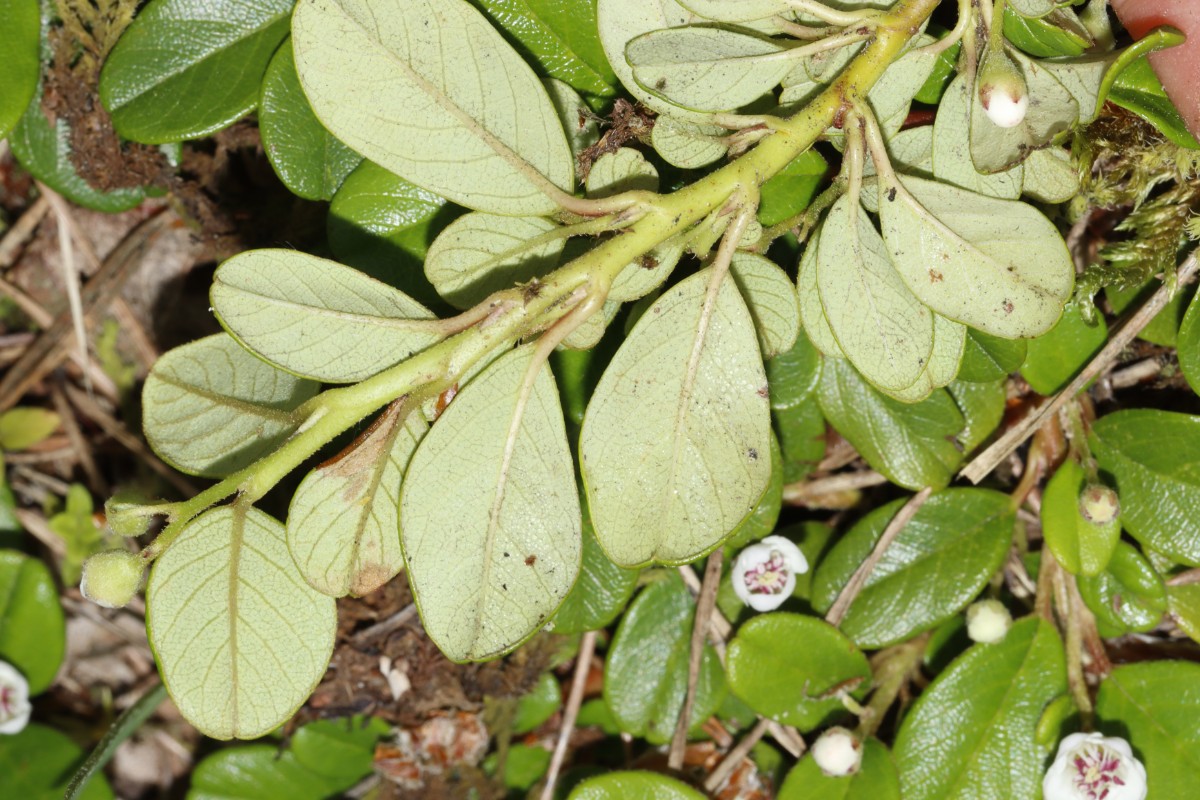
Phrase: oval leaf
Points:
(812, 313)
(492, 544)
(21, 22)
(1127, 596)
(241, 639)
(600, 594)
(772, 301)
(876, 779)
(32, 631)
(633, 786)
(952, 148)
(210, 408)
(670, 487)
(424, 88)
(687, 145)
(317, 318)
(1082, 547)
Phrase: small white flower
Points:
(1090, 766)
(988, 621)
(764, 574)
(14, 699)
(837, 753)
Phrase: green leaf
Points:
(524, 765)
(812, 314)
(316, 318)
(739, 11)
(37, 763)
(1082, 547)
(1083, 78)
(633, 786)
(885, 331)
(210, 408)
(1000, 265)
(310, 161)
(771, 299)
(671, 487)
(766, 512)
(989, 358)
(909, 444)
(561, 36)
(892, 95)
(952, 161)
(538, 705)
(793, 375)
(23, 427)
(258, 772)
(341, 750)
(687, 145)
(1183, 601)
(790, 667)
(706, 69)
(342, 526)
(622, 170)
(241, 639)
(1127, 596)
(971, 733)
(45, 151)
(1056, 356)
(1050, 176)
(186, 68)
(478, 254)
(982, 406)
(492, 544)
(790, 190)
(578, 120)
(646, 674)
(438, 108)
(876, 779)
(1188, 345)
(1164, 328)
(1152, 455)
(937, 565)
(601, 592)
(940, 76)
(801, 431)
(32, 631)
(1032, 8)
(1058, 34)
(1155, 706)
(21, 22)
(76, 526)
(1138, 89)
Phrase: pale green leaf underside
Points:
(647, 273)
(623, 170)
(211, 408)
(996, 265)
(343, 523)
(706, 69)
(884, 330)
(812, 315)
(479, 253)
(489, 514)
(892, 95)
(575, 114)
(241, 639)
(738, 10)
(771, 299)
(952, 148)
(685, 145)
(671, 485)
(425, 89)
(317, 318)
(949, 341)
(1050, 176)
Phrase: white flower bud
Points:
(14, 699)
(988, 621)
(1002, 90)
(1090, 766)
(1099, 504)
(837, 753)
(112, 578)
(764, 574)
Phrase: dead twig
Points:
(21, 231)
(803, 493)
(79, 443)
(385, 626)
(735, 756)
(705, 603)
(583, 665)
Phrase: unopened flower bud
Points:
(1090, 765)
(837, 753)
(764, 574)
(14, 699)
(988, 621)
(112, 578)
(1099, 504)
(126, 519)
(1002, 90)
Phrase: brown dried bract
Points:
(628, 122)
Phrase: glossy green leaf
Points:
(25, 426)
(492, 543)
(687, 145)
(1152, 456)
(258, 772)
(342, 526)
(982, 406)
(789, 191)
(1056, 356)
(211, 408)
(538, 704)
(997, 265)
(423, 88)
(21, 22)
(310, 161)
(1183, 601)
(1127, 596)
(876, 779)
(1138, 89)
(971, 733)
(317, 318)
(340, 750)
(478, 254)
(633, 786)
(910, 444)
(940, 76)
(952, 161)
(670, 488)
(646, 673)
(1164, 328)
(1082, 547)
(790, 667)
(771, 299)
(793, 374)
(45, 151)
(32, 636)
(186, 68)
(524, 765)
(706, 69)
(989, 358)
(1188, 345)
(884, 330)
(37, 763)
(561, 37)
(600, 593)
(937, 565)
(241, 639)
(1155, 706)
(1057, 34)
(801, 431)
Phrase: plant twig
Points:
(705, 604)
(125, 726)
(16, 236)
(385, 626)
(583, 665)
(1014, 437)
(803, 493)
(859, 579)
(735, 756)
